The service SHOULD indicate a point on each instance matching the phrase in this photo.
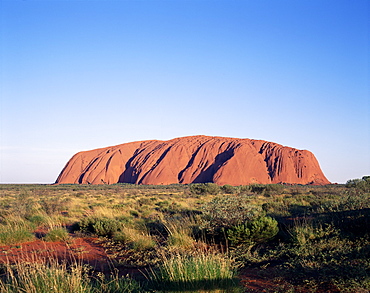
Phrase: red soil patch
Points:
(89, 250)
(82, 250)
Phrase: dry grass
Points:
(148, 219)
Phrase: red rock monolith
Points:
(194, 159)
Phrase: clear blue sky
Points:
(79, 75)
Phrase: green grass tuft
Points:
(57, 234)
(201, 271)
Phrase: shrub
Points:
(267, 189)
(23, 204)
(228, 189)
(52, 205)
(180, 240)
(57, 234)
(100, 226)
(362, 184)
(258, 230)
(228, 211)
(304, 232)
(276, 208)
(204, 188)
(258, 188)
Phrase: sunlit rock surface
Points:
(194, 159)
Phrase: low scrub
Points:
(15, 233)
(362, 184)
(15, 237)
(323, 243)
(255, 231)
(135, 239)
(100, 226)
(205, 188)
(224, 212)
(57, 234)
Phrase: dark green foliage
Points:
(224, 212)
(258, 230)
(258, 188)
(267, 189)
(100, 226)
(205, 188)
(37, 219)
(348, 200)
(57, 234)
(228, 189)
(15, 236)
(227, 211)
(362, 184)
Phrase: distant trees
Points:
(363, 184)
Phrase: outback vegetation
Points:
(193, 238)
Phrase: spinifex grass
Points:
(136, 239)
(57, 234)
(200, 271)
(41, 278)
(15, 236)
(180, 232)
(60, 278)
(331, 248)
(15, 232)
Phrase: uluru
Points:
(194, 159)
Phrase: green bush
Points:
(57, 234)
(230, 210)
(258, 230)
(181, 230)
(100, 226)
(180, 240)
(258, 188)
(362, 184)
(267, 189)
(205, 188)
(228, 189)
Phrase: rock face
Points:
(194, 159)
